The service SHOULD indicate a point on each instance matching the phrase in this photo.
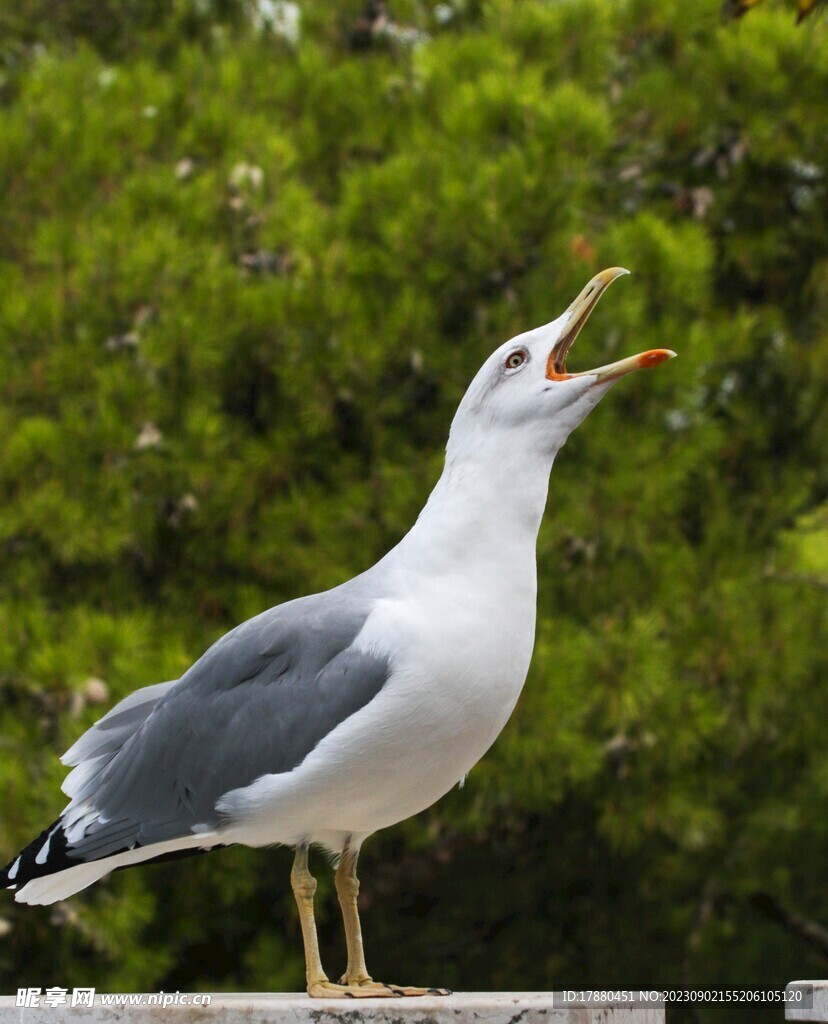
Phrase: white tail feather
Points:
(61, 884)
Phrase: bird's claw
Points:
(367, 988)
(330, 990)
(409, 990)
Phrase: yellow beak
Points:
(579, 312)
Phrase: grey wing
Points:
(116, 726)
(257, 703)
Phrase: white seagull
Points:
(329, 717)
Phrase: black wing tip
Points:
(28, 868)
(58, 858)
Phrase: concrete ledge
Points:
(264, 1008)
(815, 1000)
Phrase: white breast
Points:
(454, 614)
(460, 649)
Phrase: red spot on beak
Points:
(654, 357)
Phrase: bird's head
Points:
(524, 396)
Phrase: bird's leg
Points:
(347, 888)
(356, 973)
(304, 888)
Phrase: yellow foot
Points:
(409, 990)
(368, 987)
(366, 990)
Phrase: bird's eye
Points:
(515, 359)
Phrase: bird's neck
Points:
(483, 511)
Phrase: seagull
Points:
(327, 718)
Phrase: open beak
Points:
(578, 315)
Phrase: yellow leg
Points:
(304, 888)
(356, 973)
(347, 888)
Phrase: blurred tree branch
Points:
(810, 932)
(738, 8)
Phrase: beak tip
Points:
(655, 356)
(643, 361)
(606, 277)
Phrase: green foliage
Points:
(244, 282)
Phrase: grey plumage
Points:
(116, 726)
(256, 703)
